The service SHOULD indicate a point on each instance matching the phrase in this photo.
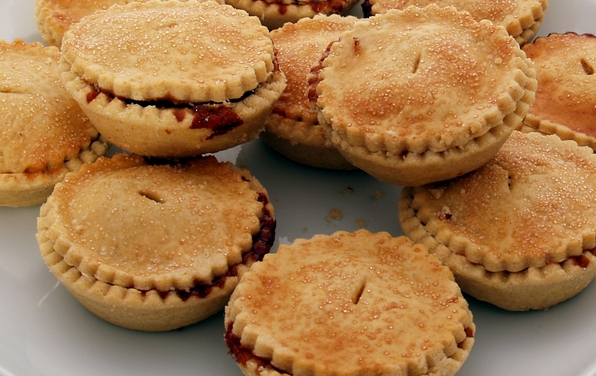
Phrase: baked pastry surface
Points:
(293, 129)
(54, 17)
(521, 18)
(173, 78)
(565, 102)
(422, 94)
(155, 247)
(44, 133)
(349, 304)
(519, 232)
(275, 13)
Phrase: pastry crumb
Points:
(335, 213)
(360, 222)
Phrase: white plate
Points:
(45, 331)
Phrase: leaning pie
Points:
(54, 17)
(173, 78)
(155, 247)
(293, 128)
(519, 232)
(349, 304)
(422, 94)
(44, 132)
(521, 18)
(566, 97)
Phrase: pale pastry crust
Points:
(349, 304)
(293, 129)
(173, 78)
(44, 133)
(565, 102)
(521, 18)
(519, 232)
(54, 17)
(155, 247)
(445, 93)
(275, 13)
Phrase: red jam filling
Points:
(262, 243)
(242, 355)
(217, 117)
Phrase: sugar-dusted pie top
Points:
(42, 125)
(514, 15)
(351, 304)
(163, 227)
(566, 95)
(299, 46)
(180, 51)
(421, 79)
(531, 205)
(54, 17)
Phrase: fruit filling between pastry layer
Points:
(220, 118)
(262, 243)
(242, 355)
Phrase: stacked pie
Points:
(519, 232)
(421, 95)
(172, 78)
(155, 246)
(293, 128)
(356, 303)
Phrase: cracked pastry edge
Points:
(446, 360)
(532, 288)
(30, 189)
(274, 15)
(186, 88)
(167, 136)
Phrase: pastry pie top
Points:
(531, 205)
(350, 304)
(155, 226)
(566, 95)
(515, 15)
(44, 132)
(54, 17)
(420, 79)
(179, 51)
(299, 46)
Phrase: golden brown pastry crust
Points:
(54, 17)
(293, 129)
(518, 232)
(349, 304)
(521, 18)
(44, 133)
(173, 78)
(432, 93)
(565, 102)
(276, 13)
(155, 246)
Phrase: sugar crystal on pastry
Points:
(150, 74)
(185, 231)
